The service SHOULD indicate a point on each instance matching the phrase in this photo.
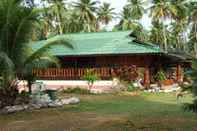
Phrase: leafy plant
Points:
(160, 76)
(91, 77)
(8, 94)
(193, 88)
(131, 88)
(17, 58)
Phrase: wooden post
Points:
(178, 73)
(146, 77)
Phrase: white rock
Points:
(38, 87)
(65, 101)
(41, 99)
(55, 104)
(12, 109)
(73, 100)
(34, 106)
(96, 91)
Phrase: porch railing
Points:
(69, 73)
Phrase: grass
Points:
(146, 112)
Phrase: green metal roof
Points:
(102, 43)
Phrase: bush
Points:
(160, 76)
(91, 77)
(77, 91)
(193, 88)
(8, 95)
(126, 73)
(131, 88)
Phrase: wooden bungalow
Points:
(105, 51)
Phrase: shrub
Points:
(91, 77)
(77, 91)
(192, 88)
(8, 94)
(126, 73)
(160, 76)
(131, 88)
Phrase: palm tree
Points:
(105, 13)
(72, 23)
(179, 26)
(126, 22)
(156, 33)
(136, 9)
(16, 56)
(193, 88)
(160, 11)
(87, 9)
(56, 11)
(193, 22)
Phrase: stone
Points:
(72, 100)
(38, 87)
(34, 106)
(43, 99)
(55, 104)
(96, 91)
(13, 109)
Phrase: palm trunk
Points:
(165, 39)
(195, 50)
(60, 29)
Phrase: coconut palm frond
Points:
(42, 63)
(6, 63)
(43, 51)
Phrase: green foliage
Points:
(105, 13)
(77, 91)
(91, 77)
(193, 88)
(131, 88)
(16, 56)
(87, 10)
(8, 94)
(191, 107)
(160, 76)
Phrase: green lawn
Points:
(146, 112)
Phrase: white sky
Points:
(118, 5)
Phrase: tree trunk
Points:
(165, 39)
(195, 50)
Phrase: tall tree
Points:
(156, 36)
(179, 26)
(16, 55)
(57, 11)
(105, 13)
(126, 22)
(87, 10)
(72, 23)
(136, 9)
(193, 22)
(160, 11)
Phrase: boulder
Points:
(38, 87)
(96, 91)
(55, 104)
(42, 99)
(34, 106)
(13, 109)
(72, 100)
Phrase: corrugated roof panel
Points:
(102, 43)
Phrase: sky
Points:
(118, 5)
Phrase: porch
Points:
(105, 73)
